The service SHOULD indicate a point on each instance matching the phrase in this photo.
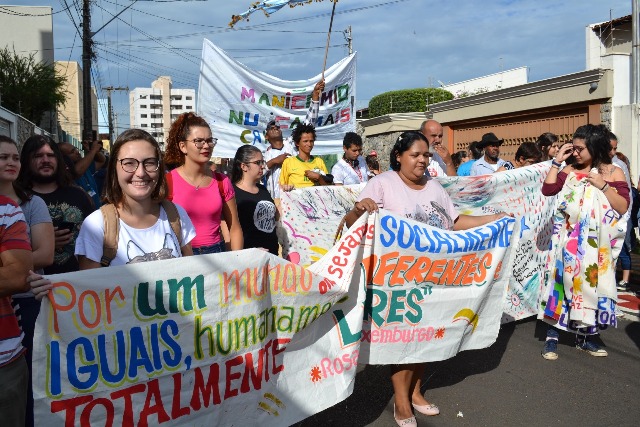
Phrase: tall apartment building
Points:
(70, 115)
(154, 109)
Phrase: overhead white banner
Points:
(238, 102)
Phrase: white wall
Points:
(502, 80)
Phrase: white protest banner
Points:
(238, 102)
(311, 218)
(246, 338)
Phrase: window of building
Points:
(155, 96)
(189, 107)
(189, 98)
(144, 116)
(144, 125)
(143, 106)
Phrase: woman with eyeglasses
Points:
(256, 209)
(207, 196)
(405, 190)
(593, 194)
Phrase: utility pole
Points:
(349, 38)
(109, 89)
(87, 125)
(87, 56)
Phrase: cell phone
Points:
(65, 225)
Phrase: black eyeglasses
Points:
(578, 149)
(199, 142)
(131, 165)
(258, 162)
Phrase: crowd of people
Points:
(65, 212)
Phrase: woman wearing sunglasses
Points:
(256, 209)
(207, 197)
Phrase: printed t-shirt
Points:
(293, 170)
(203, 205)
(430, 205)
(257, 215)
(70, 204)
(13, 235)
(135, 244)
(344, 173)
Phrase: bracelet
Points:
(555, 166)
(604, 187)
(554, 163)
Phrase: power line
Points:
(8, 11)
(274, 23)
(166, 45)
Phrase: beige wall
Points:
(70, 114)
(28, 34)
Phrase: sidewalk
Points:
(628, 302)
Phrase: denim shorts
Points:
(213, 249)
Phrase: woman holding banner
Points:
(406, 190)
(136, 188)
(207, 196)
(593, 194)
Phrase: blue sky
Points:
(400, 43)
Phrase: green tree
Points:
(406, 101)
(27, 87)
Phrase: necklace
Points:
(191, 182)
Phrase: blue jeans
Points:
(213, 249)
(625, 258)
(27, 309)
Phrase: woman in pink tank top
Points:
(207, 197)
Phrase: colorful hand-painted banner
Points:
(268, 7)
(311, 218)
(238, 102)
(246, 338)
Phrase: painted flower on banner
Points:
(315, 374)
(439, 333)
(592, 275)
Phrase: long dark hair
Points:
(112, 191)
(596, 139)
(403, 143)
(29, 149)
(22, 194)
(243, 155)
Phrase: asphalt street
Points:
(510, 384)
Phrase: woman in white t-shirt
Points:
(406, 190)
(136, 185)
